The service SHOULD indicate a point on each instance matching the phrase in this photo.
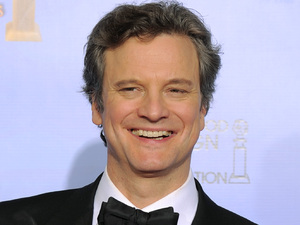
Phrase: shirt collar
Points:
(187, 193)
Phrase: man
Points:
(149, 75)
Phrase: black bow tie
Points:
(116, 213)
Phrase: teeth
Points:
(158, 135)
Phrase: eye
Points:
(128, 89)
(130, 92)
(178, 91)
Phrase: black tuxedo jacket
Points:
(75, 207)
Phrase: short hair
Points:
(146, 21)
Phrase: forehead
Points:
(165, 54)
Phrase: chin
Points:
(152, 169)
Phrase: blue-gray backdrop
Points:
(247, 158)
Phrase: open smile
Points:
(156, 135)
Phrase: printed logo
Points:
(210, 146)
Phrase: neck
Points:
(142, 188)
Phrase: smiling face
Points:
(152, 113)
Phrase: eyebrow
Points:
(172, 81)
(125, 82)
(181, 81)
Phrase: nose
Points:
(153, 107)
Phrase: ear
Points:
(202, 117)
(96, 116)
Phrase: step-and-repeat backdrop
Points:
(247, 158)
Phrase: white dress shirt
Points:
(184, 200)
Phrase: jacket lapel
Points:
(206, 210)
(78, 208)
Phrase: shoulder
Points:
(41, 208)
(211, 213)
(229, 218)
(33, 207)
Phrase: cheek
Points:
(192, 120)
(189, 114)
(116, 112)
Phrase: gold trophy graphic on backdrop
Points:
(23, 26)
(239, 174)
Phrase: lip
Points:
(151, 140)
(150, 129)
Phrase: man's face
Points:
(152, 104)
